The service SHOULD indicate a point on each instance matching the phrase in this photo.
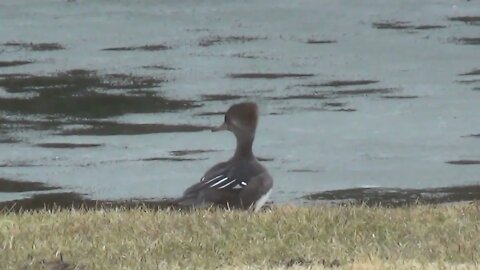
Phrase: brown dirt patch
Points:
(55, 264)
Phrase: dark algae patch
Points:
(154, 47)
(68, 145)
(74, 82)
(471, 73)
(160, 67)
(30, 124)
(14, 63)
(391, 25)
(469, 81)
(341, 83)
(344, 110)
(209, 113)
(21, 186)
(245, 56)
(84, 93)
(320, 41)
(168, 159)
(464, 162)
(305, 96)
(396, 197)
(475, 20)
(268, 75)
(220, 97)
(398, 97)
(92, 105)
(179, 153)
(302, 171)
(404, 25)
(17, 164)
(467, 40)
(114, 128)
(364, 91)
(8, 140)
(35, 46)
(334, 104)
(215, 40)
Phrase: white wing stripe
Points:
(219, 182)
(215, 178)
(227, 184)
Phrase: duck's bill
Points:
(220, 128)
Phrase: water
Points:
(399, 130)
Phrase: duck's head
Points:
(241, 119)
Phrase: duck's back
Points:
(235, 183)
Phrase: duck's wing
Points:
(217, 180)
(218, 185)
(223, 182)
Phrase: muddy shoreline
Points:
(370, 197)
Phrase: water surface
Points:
(99, 98)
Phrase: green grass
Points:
(353, 237)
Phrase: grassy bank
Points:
(350, 237)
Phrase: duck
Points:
(240, 182)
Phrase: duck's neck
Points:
(244, 147)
